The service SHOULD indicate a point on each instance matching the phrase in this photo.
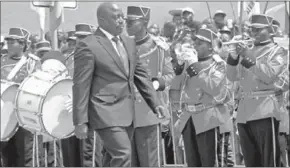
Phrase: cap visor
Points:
(202, 38)
(15, 37)
(175, 12)
(72, 38)
(133, 17)
(258, 25)
(82, 33)
(43, 49)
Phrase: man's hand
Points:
(81, 131)
(161, 112)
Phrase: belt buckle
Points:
(191, 108)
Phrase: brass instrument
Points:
(249, 44)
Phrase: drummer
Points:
(42, 47)
(17, 152)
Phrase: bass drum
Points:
(9, 123)
(40, 103)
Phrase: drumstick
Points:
(33, 152)
(94, 150)
(37, 150)
(45, 154)
(54, 151)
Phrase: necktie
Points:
(122, 53)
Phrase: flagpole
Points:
(53, 33)
(241, 16)
(266, 6)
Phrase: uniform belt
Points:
(261, 93)
(198, 107)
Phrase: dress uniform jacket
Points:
(154, 53)
(262, 71)
(8, 63)
(205, 95)
(70, 63)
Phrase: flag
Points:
(274, 9)
(41, 14)
(250, 7)
(56, 15)
(287, 3)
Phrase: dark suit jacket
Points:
(103, 95)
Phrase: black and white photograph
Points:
(91, 83)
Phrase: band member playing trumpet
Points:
(263, 76)
(204, 96)
(18, 151)
(154, 53)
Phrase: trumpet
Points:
(249, 44)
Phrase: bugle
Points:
(249, 44)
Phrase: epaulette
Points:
(160, 42)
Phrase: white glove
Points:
(186, 52)
(68, 104)
(156, 85)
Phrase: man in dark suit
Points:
(106, 69)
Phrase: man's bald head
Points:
(110, 17)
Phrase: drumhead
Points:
(9, 122)
(57, 121)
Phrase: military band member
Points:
(169, 29)
(219, 19)
(154, 53)
(176, 17)
(41, 48)
(284, 123)
(204, 94)
(154, 29)
(18, 151)
(262, 73)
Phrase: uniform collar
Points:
(144, 40)
(205, 58)
(263, 43)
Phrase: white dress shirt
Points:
(110, 37)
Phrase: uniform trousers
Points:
(51, 149)
(71, 152)
(18, 151)
(258, 145)
(178, 149)
(145, 147)
(225, 152)
(90, 145)
(204, 149)
(79, 153)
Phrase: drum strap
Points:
(17, 67)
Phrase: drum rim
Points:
(43, 128)
(55, 83)
(7, 138)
